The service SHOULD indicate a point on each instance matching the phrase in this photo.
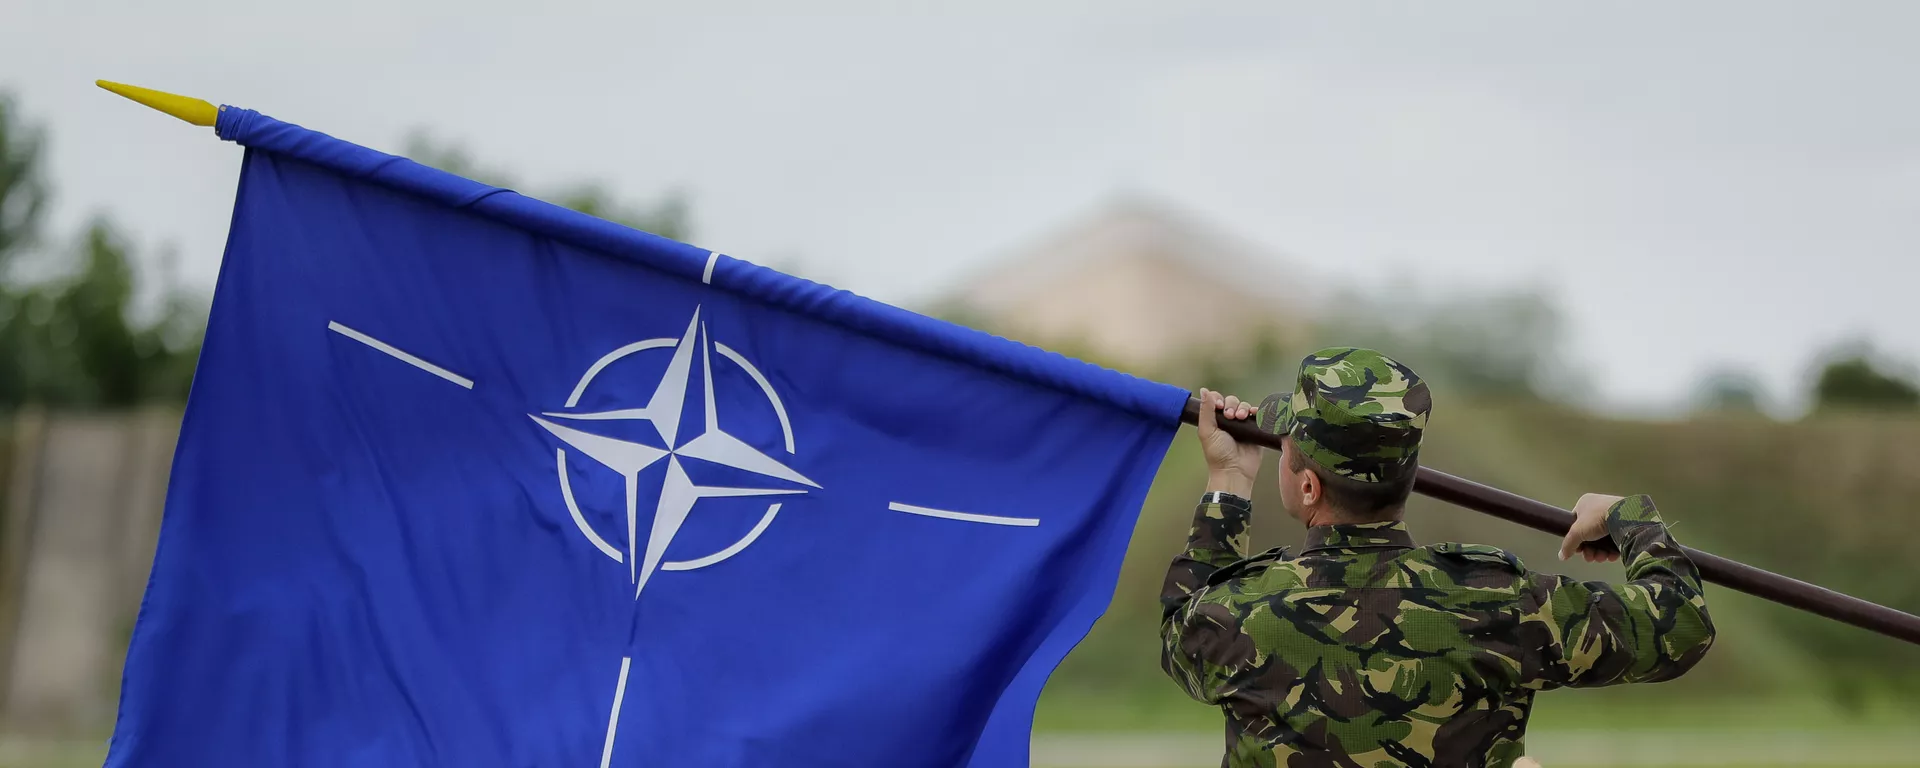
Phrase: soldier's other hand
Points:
(1231, 466)
(1526, 762)
(1589, 524)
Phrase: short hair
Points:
(1359, 501)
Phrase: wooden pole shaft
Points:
(1553, 520)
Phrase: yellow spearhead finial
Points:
(186, 108)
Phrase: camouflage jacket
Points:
(1365, 650)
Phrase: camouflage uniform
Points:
(1365, 649)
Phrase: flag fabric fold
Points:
(470, 479)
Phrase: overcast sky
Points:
(1701, 184)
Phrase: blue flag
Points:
(467, 479)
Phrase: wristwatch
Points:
(1222, 497)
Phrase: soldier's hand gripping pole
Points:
(1731, 574)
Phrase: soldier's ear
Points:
(1311, 489)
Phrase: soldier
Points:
(1366, 649)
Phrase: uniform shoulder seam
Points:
(1480, 553)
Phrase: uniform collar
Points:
(1388, 535)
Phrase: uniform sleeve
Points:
(1653, 628)
(1219, 537)
(1201, 639)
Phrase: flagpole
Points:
(1430, 482)
(1539, 516)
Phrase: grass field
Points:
(1143, 727)
(1624, 748)
(1873, 748)
(1140, 727)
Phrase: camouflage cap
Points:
(1354, 412)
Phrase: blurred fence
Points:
(83, 497)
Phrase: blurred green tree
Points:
(23, 186)
(1853, 380)
(71, 340)
(1488, 345)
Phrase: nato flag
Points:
(469, 480)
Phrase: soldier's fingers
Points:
(1235, 409)
(1568, 545)
(1208, 400)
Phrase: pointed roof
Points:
(1133, 227)
(1130, 283)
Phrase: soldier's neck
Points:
(1328, 516)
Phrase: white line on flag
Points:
(613, 720)
(964, 516)
(399, 355)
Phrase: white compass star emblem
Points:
(678, 493)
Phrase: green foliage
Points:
(1496, 345)
(1828, 501)
(667, 218)
(72, 341)
(23, 187)
(1493, 346)
(1855, 381)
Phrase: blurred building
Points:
(1140, 286)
